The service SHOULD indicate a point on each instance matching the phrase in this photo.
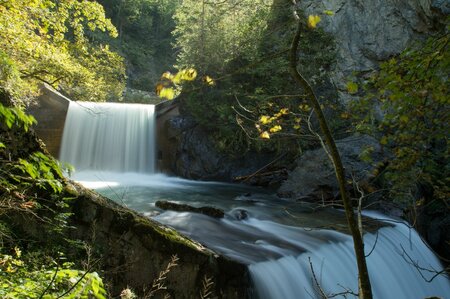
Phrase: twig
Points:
(80, 279)
(51, 282)
(420, 269)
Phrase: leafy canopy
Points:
(46, 41)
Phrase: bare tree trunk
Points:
(365, 290)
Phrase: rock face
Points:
(314, 178)
(369, 32)
(195, 156)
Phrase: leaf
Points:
(208, 80)
(167, 75)
(264, 119)
(284, 111)
(2, 145)
(265, 135)
(352, 87)
(275, 129)
(95, 286)
(313, 20)
(167, 92)
(328, 12)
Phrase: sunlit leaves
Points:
(170, 85)
(275, 129)
(265, 135)
(208, 80)
(313, 20)
(167, 93)
(47, 43)
(11, 116)
(265, 119)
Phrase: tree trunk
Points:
(365, 290)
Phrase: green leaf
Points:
(352, 87)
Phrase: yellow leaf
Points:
(275, 129)
(168, 93)
(313, 20)
(167, 75)
(208, 80)
(188, 74)
(297, 127)
(264, 119)
(297, 119)
(284, 111)
(328, 12)
(265, 135)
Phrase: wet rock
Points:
(209, 211)
(240, 214)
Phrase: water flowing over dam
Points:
(291, 251)
(109, 137)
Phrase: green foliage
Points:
(46, 41)
(11, 116)
(210, 34)
(145, 39)
(27, 278)
(248, 62)
(44, 169)
(408, 111)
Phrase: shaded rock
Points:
(433, 222)
(240, 214)
(314, 177)
(195, 156)
(369, 32)
(209, 211)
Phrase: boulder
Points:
(314, 178)
(209, 211)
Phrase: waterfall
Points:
(400, 266)
(109, 137)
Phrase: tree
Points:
(365, 290)
(145, 37)
(46, 41)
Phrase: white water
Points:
(110, 143)
(109, 137)
(391, 269)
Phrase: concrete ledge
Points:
(50, 111)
